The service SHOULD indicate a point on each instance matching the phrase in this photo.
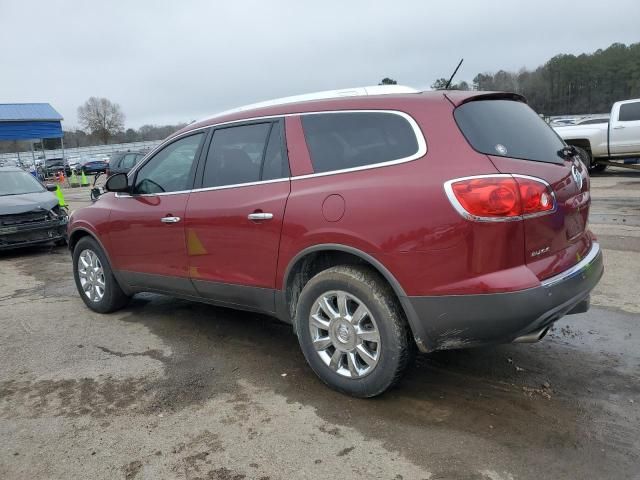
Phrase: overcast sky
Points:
(176, 61)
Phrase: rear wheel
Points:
(94, 278)
(352, 331)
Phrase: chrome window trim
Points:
(461, 210)
(577, 268)
(422, 150)
(239, 185)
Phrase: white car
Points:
(617, 139)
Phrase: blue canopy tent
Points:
(30, 121)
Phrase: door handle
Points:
(618, 127)
(170, 219)
(260, 216)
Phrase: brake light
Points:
(500, 197)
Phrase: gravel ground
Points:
(172, 389)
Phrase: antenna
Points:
(453, 74)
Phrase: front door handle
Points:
(170, 219)
(618, 127)
(260, 216)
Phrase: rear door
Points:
(519, 142)
(234, 220)
(624, 136)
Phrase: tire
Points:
(599, 168)
(113, 298)
(338, 355)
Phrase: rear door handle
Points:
(618, 127)
(170, 219)
(260, 216)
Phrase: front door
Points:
(233, 222)
(147, 227)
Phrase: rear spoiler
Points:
(460, 97)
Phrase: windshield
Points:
(16, 183)
(508, 129)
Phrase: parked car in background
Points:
(616, 139)
(593, 120)
(386, 243)
(74, 162)
(122, 162)
(93, 165)
(29, 212)
(55, 165)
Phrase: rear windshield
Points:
(344, 140)
(509, 129)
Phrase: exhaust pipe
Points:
(532, 337)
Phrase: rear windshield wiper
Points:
(567, 152)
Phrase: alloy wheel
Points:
(344, 334)
(91, 275)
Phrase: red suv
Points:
(374, 223)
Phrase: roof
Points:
(324, 95)
(378, 97)
(24, 112)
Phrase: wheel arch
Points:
(79, 233)
(310, 261)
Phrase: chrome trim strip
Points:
(422, 144)
(460, 209)
(239, 185)
(422, 150)
(577, 268)
(206, 189)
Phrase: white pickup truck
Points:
(602, 144)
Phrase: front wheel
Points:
(94, 278)
(352, 331)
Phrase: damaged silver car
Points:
(29, 213)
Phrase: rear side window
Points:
(629, 112)
(508, 128)
(245, 154)
(338, 141)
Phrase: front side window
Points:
(171, 169)
(338, 141)
(629, 112)
(245, 154)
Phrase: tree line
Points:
(564, 85)
(570, 84)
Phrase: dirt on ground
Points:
(172, 389)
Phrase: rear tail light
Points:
(495, 198)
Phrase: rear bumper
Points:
(460, 321)
(33, 233)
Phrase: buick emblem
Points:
(577, 176)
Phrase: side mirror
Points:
(117, 182)
(51, 187)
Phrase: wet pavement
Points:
(172, 389)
